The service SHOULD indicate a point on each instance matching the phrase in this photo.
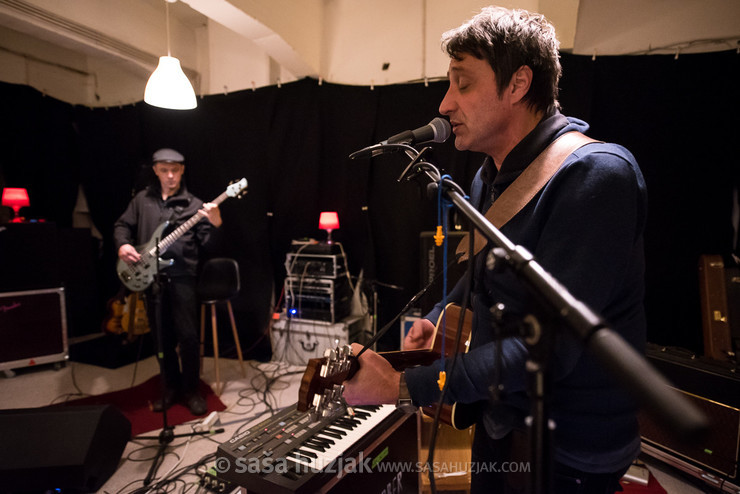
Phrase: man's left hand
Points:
(375, 383)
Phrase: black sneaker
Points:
(197, 404)
(170, 398)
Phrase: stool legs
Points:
(236, 338)
(214, 330)
(202, 334)
(214, 326)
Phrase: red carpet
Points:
(135, 402)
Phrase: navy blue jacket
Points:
(585, 227)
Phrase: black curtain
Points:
(292, 143)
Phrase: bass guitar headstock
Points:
(321, 386)
(237, 188)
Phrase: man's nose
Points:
(446, 105)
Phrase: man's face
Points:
(476, 112)
(169, 175)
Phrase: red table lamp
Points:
(328, 221)
(16, 198)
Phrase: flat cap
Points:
(167, 155)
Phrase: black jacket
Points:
(147, 211)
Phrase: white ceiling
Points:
(338, 40)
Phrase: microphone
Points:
(438, 130)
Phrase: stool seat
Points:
(218, 283)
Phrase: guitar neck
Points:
(170, 239)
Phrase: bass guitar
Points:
(324, 376)
(139, 275)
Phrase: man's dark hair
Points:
(508, 39)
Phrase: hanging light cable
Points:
(168, 86)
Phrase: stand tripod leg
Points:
(165, 437)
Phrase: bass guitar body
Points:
(138, 276)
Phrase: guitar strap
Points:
(526, 186)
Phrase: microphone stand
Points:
(166, 435)
(620, 359)
(374, 284)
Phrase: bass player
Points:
(168, 200)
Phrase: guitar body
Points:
(318, 377)
(138, 276)
(112, 322)
(134, 319)
(458, 415)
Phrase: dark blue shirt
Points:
(585, 228)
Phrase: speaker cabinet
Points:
(60, 447)
(431, 265)
(714, 389)
(33, 328)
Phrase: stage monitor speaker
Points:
(60, 447)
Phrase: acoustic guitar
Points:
(323, 375)
(126, 314)
(138, 276)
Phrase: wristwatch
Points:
(404, 398)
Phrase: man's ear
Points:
(520, 82)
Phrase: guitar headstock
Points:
(321, 386)
(237, 189)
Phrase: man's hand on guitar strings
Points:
(212, 213)
(420, 335)
(128, 254)
(375, 383)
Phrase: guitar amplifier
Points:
(714, 388)
(315, 265)
(431, 262)
(323, 299)
(33, 328)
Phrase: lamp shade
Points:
(15, 197)
(169, 87)
(329, 220)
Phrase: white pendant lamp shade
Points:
(169, 87)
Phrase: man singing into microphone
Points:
(584, 225)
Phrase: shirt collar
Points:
(525, 151)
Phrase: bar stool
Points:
(218, 283)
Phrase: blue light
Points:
(294, 311)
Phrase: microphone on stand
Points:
(438, 130)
